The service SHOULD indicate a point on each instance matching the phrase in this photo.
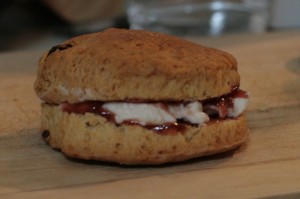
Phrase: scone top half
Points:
(134, 65)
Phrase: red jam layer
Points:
(221, 103)
(96, 108)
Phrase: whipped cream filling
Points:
(239, 106)
(139, 113)
(158, 113)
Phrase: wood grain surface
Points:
(267, 166)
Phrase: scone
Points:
(138, 97)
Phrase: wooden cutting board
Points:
(268, 165)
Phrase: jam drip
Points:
(214, 107)
(227, 100)
(218, 106)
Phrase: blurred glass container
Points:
(198, 17)
(87, 16)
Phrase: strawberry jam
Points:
(89, 107)
(219, 105)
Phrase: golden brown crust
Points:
(92, 137)
(123, 64)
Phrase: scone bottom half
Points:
(137, 97)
